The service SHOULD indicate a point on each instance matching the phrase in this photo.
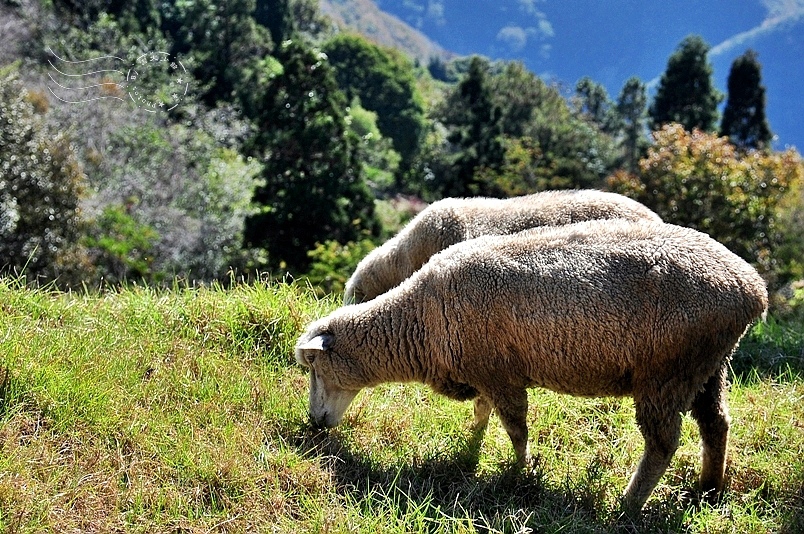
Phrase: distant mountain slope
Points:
(364, 17)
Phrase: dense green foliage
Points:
(594, 104)
(510, 133)
(40, 185)
(293, 131)
(474, 124)
(314, 188)
(692, 179)
(221, 39)
(383, 81)
(632, 107)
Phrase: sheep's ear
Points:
(319, 342)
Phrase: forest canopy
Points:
(298, 147)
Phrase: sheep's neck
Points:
(400, 344)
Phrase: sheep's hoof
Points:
(631, 507)
(525, 461)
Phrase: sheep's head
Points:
(353, 293)
(367, 282)
(332, 388)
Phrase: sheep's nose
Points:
(319, 423)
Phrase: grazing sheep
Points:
(598, 308)
(453, 220)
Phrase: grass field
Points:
(146, 410)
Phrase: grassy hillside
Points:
(366, 18)
(183, 411)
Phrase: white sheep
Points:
(453, 220)
(599, 308)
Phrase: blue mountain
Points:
(610, 41)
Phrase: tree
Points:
(286, 19)
(564, 149)
(379, 160)
(685, 94)
(475, 130)
(552, 145)
(314, 187)
(631, 107)
(384, 82)
(595, 105)
(277, 16)
(537, 142)
(134, 15)
(440, 70)
(221, 39)
(744, 121)
(41, 183)
(519, 93)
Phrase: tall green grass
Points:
(145, 410)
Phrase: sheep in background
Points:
(453, 220)
(599, 308)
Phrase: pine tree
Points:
(314, 188)
(631, 106)
(686, 94)
(744, 120)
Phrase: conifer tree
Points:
(595, 105)
(686, 94)
(744, 120)
(475, 128)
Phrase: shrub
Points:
(700, 180)
(189, 195)
(122, 248)
(41, 182)
(333, 263)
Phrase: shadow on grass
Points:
(449, 490)
(794, 522)
(12, 392)
(770, 350)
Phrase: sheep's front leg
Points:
(512, 409)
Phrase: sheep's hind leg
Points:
(661, 427)
(711, 412)
(512, 409)
(483, 409)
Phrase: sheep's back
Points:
(485, 216)
(453, 220)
